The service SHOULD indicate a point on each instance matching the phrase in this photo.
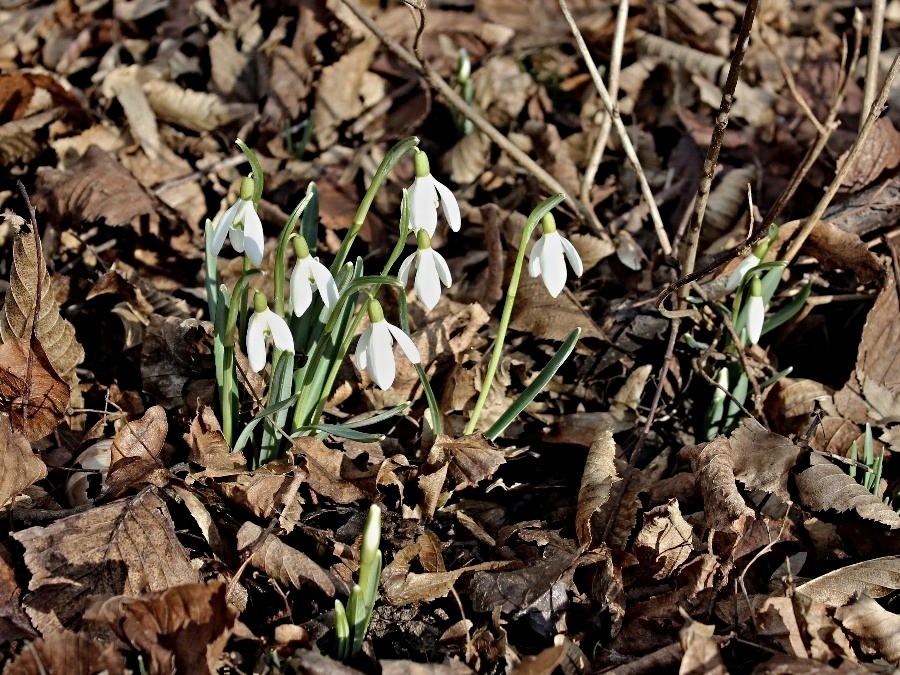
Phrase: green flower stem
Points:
(390, 160)
(281, 251)
(228, 390)
(543, 208)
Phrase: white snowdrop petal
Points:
(362, 347)
(747, 264)
(423, 206)
(442, 269)
(281, 333)
(301, 291)
(254, 239)
(405, 267)
(534, 261)
(256, 342)
(407, 346)
(756, 315)
(572, 256)
(220, 231)
(553, 264)
(324, 282)
(428, 284)
(381, 355)
(449, 205)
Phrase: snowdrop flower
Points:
(756, 311)
(424, 196)
(310, 274)
(265, 324)
(752, 260)
(431, 271)
(375, 349)
(241, 224)
(548, 257)
(720, 391)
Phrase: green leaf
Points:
(535, 388)
(777, 376)
(256, 167)
(280, 388)
(375, 418)
(263, 414)
(789, 311)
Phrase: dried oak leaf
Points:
(69, 653)
(875, 578)
(825, 486)
(19, 466)
(127, 547)
(875, 627)
(469, 459)
(596, 483)
(876, 377)
(700, 650)
(95, 188)
(282, 562)
(879, 153)
(17, 320)
(182, 629)
(33, 396)
(665, 542)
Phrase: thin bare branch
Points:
(871, 84)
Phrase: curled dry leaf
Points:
(182, 629)
(837, 249)
(208, 447)
(596, 483)
(713, 467)
(665, 542)
(194, 110)
(330, 472)
(536, 313)
(270, 490)
(127, 547)
(282, 562)
(135, 454)
(17, 320)
(700, 650)
(762, 460)
(33, 396)
(470, 459)
(880, 152)
(874, 626)
(825, 486)
(14, 623)
(19, 466)
(875, 578)
(69, 653)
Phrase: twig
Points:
(447, 92)
(689, 258)
(627, 145)
(846, 165)
(788, 76)
(872, 57)
(615, 68)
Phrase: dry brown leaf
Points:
(331, 473)
(875, 578)
(470, 459)
(194, 110)
(825, 486)
(502, 89)
(125, 85)
(32, 394)
(127, 547)
(467, 161)
(880, 152)
(342, 89)
(69, 653)
(700, 650)
(553, 154)
(596, 483)
(270, 490)
(19, 141)
(207, 445)
(727, 200)
(665, 542)
(874, 626)
(182, 629)
(143, 438)
(837, 249)
(548, 318)
(175, 353)
(95, 188)
(282, 562)
(713, 467)
(403, 667)
(762, 460)
(56, 335)
(14, 623)
(19, 466)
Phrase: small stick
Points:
(689, 258)
(872, 57)
(846, 165)
(615, 68)
(789, 80)
(627, 145)
(437, 82)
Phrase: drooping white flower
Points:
(241, 224)
(431, 271)
(308, 275)
(375, 349)
(737, 275)
(264, 324)
(756, 311)
(548, 257)
(425, 194)
(721, 391)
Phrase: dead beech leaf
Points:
(723, 505)
(282, 562)
(331, 473)
(207, 444)
(762, 460)
(802, 626)
(340, 93)
(825, 486)
(879, 153)
(14, 623)
(875, 578)
(467, 161)
(175, 352)
(19, 466)
(550, 318)
(267, 491)
(470, 459)
(127, 547)
(124, 84)
(17, 320)
(838, 249)
(665, 542)
(700, 650)
(143, 438)
(194, 110)
(69, 653)
(596, 483)
(32, 395)
(182, 629)
(874, 626)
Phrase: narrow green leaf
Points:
(256, 167)
(375, 418)
(789, 311)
